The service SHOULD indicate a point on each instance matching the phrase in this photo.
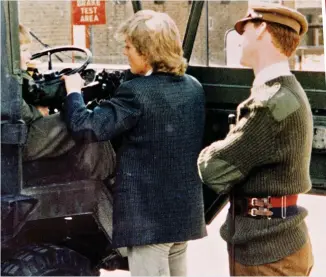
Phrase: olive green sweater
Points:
(267, 153)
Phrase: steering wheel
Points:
(54, 77)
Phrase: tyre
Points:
(47, 260)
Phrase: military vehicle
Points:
(57, 224)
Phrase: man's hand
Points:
(43, 110)
(74, 83)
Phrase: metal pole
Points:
(91, 38)
(192, 26)
(136, 5)
(207, 35)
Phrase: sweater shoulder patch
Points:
(282, 104)
(264, 93)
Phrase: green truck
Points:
(55, 224)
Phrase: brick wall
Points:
(51, 21)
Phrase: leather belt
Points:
(267, 207)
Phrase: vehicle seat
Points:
(50, 171)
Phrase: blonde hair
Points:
(284, 38)
(155, 37)
(24, 35)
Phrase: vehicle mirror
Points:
(232, 48)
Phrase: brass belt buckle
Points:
(253, 202)
(267, 202)
(261, 208)
(261, 212)
(253, 212)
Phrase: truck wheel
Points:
(47, 260)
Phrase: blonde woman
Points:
(48, 136)
(158, 199)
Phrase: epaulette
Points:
(280, 100)
(264, 93)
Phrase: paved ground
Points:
(208, 257)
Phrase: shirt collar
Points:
(271, 72)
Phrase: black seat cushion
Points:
(50, 171)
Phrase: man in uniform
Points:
(265, 157)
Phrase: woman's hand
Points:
(74, 83)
